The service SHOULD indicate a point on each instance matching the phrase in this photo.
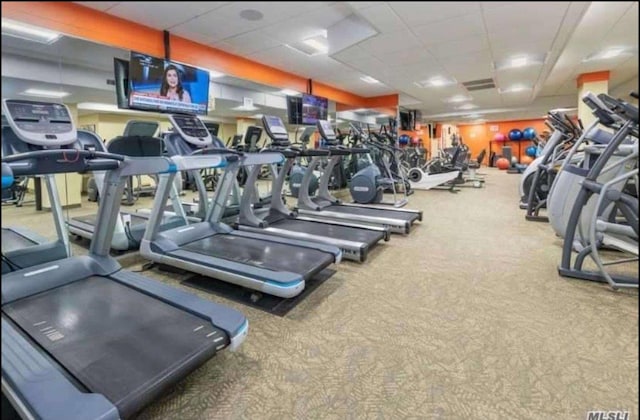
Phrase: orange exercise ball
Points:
(503, 163)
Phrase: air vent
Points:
(479, 84)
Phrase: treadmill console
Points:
(192, 129)
(326, 131)
(275, 128)
(40, 123)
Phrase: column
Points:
(596, 83)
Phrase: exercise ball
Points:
(499, 137)
(403, 140)
(531, 151)
(529, 133)
(503, 163)
(416, 141)
(526, 160)
(515, 135)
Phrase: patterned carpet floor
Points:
(465, 318)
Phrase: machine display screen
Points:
(326, 128)
(275, 125)
(191, 126)
(40, 117)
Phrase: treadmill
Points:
(354, 242)
(81, 337)
(21, 247)
(324, 205)
(273, 265)
(130, 226)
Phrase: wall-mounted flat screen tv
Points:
(162, 85)
(314, 108)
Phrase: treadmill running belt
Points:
(90, 219)
(363, 211)
(367, 236)
(12, 241)
(265, 254)
(117, 341)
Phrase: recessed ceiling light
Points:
(29, 32)
(436, 81)
(369, 79)
(607, 54)
(466, 106)
(45, 93)
(518, 61)
(251, 14)
(215, 74)
(515, 89)
(458, 98)
(473, 116)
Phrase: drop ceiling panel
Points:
(384, 43)
(308, 23)
(350, 54)
(98, 5)
(383, 18)
(406, 58)
(420, 13)
(509, 49)
(452, 29)
(526, 76)
(249, 43)
(524, 14)
(165, 17)
(357, 5)
(460, 47)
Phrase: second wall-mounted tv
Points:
(162, 85)
(307, 109)
(314, 108)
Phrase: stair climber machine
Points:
(354, 242)
(265, 263)
(83, 339)
(324, 205)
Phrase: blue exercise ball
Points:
(515, 135)
(404, 139)
(531, 151)
(529, 133)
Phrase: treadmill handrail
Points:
(67, 160)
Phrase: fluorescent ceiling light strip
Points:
(369, 79)
(30, 32)
(45, 93)
(314, 43)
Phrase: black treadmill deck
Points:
(366, 236)
(264, 254)
(12, 241)
(90, 219)
(117, 341)
(366, 211)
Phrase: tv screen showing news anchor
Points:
(162, 85)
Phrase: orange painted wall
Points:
(478, 136)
